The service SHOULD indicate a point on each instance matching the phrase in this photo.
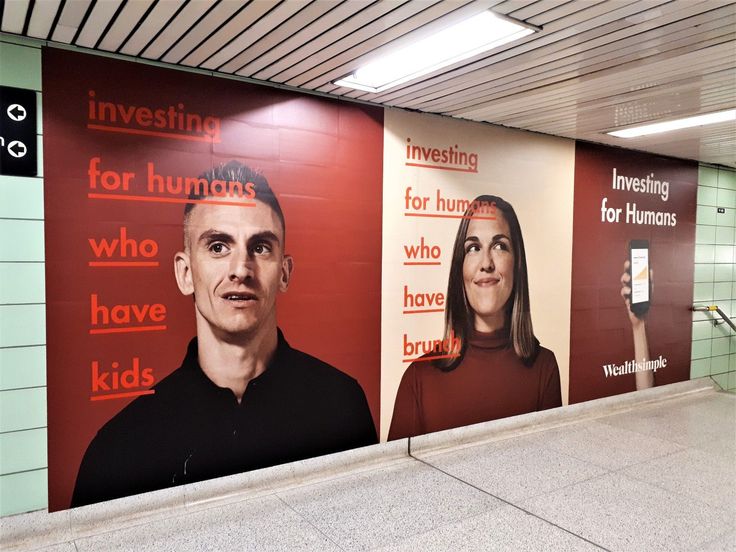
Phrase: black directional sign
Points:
(17, 131)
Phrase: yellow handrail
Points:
(715, 308)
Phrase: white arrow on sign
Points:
(16, 148)
(16, 112)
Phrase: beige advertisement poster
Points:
(477, 242)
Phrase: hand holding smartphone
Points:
(640, 282)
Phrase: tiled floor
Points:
(659, 477)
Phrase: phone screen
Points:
(639, 275)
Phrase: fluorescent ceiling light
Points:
(699, 120)
(460, 41)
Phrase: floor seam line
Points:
(678, 494)
(309, 521)
(511, 504)
(648, 460)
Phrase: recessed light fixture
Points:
(698, 120)
(467, 38)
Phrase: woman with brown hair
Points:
(500, 369)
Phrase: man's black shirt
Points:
(190, 429)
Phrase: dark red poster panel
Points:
(123, 144)
(634, 220)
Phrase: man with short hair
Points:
(243, 399)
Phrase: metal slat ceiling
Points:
(124, 24)
(595, 66)
(562, 36)
(157, 20)
(550, 62)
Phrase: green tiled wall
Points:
(714, 346)
(24, 491)
(23, 474)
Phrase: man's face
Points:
(235, 266)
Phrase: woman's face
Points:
(488, 270)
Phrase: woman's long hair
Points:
(459, 319)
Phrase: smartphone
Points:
(641, 287)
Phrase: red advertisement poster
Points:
(213, 254)
(633, 241)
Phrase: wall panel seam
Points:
(21, 430)
(22, 346)
(21, 388)
(23, 471)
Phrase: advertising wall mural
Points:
(632, 278)
(477, 236)
(239, 276)
(213, 276)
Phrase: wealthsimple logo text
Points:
(451, 158)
